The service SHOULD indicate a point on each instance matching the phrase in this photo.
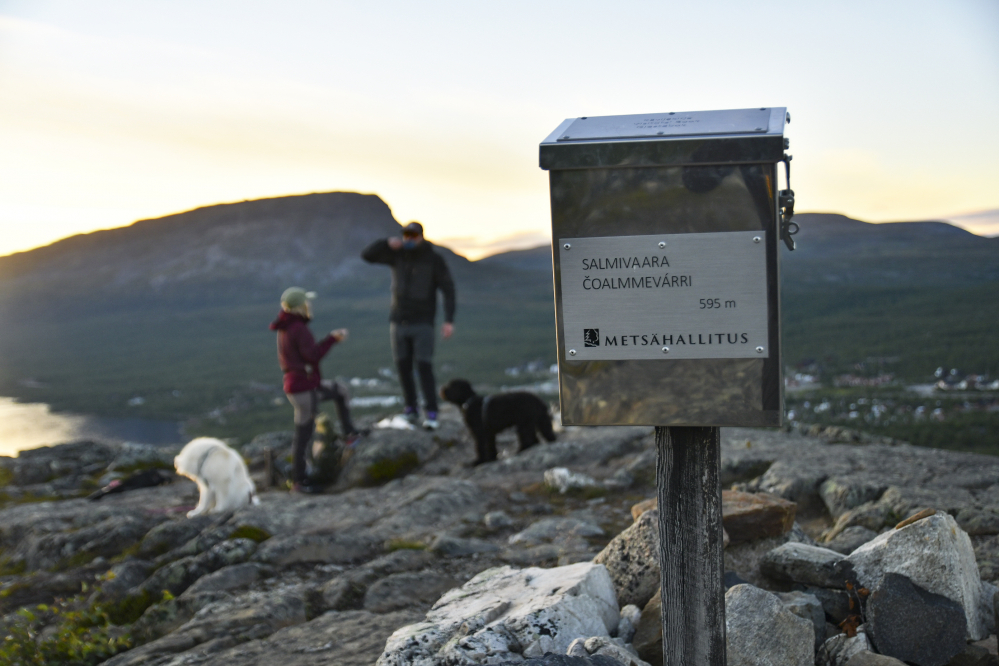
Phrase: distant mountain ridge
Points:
(837, 249)
(248, 251)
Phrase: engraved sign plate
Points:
(738, 121)
(701, 295)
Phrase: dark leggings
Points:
(306, 405)
(427, 385)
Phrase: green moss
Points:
(12, 568)
(129, 609)
(6, 477)
(80, 559)
(250, 532)
(384, 470)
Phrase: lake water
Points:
(30, 425)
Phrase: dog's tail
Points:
(254, 500)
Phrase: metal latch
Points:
(785, 201)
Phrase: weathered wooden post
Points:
(665, 233)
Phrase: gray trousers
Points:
(415, 342)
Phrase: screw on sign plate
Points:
(572, 352)
(566, 246)
(759, 350)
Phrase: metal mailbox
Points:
(665, 246)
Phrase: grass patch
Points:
(250, 532)
(384, 470)
(131, 608)
(6, 477)
(9, 567)
(82, 636)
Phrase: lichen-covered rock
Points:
(168, 535)
(808, 565)
(632, 559)
(935, 554)
(760, 631)
(505, 612)
(868, 658)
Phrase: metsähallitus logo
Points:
(591, 337)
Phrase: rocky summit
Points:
(841, 551)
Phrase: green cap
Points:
(294, 297)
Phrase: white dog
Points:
(221, 475)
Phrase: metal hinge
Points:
(785, 201)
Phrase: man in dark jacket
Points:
(417, 273)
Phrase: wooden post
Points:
(691, 549)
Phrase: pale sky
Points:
(117, 110)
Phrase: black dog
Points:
(487, 415)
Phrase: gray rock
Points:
(935, 554)
(868, 658)
(838, 650)
(351, 638)
(631, 615)
(497, 520)
(167, 535)
(554, 529)
(552, 659)
(632, 559)
(808, 565)
(979, 521)
(222, 624)
(601, 646)
(648, 638)
(743, 559)
(835, 603)
(123, 577)
(331, 549)
(418, 590)
(914, 625)
(808, 607)
(232, 577)
(973, 655)
(850, 539)
(177, 576)
(452, 546)
(537, 555)
(986, 606)
(761, 631)
(841, 494)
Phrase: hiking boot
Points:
(430, 423)
(411, 415)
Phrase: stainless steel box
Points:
(666, 265)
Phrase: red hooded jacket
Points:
(298, 352)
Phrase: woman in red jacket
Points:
(299, 356)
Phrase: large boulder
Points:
(632, 559)
(841, 648)
(750, 516)
(509, 613)
(913, 625)
(760, 631)
(935, 554)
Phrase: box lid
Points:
(667, 139)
